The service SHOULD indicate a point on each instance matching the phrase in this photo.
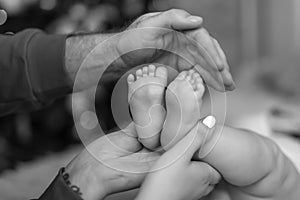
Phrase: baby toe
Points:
(199, 79)
(200, 89)
(196, 75)
(191, 72)
(152, 69)
(192, 81)
(130, 79)
(188, 77)
(139, 74)
(145, 71)
(161, 72)
(181, 76)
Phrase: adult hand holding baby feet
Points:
(146, 92)
(263, 170)
(161, 36)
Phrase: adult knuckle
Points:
(174, 10)
(145, 16)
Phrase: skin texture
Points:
(183, 101)
(84, 170)
(144, 38)
(146, 98)
(94, 169)
(181, 177)
(263, 171)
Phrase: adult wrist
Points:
(66, 178)
(89, 54)
(90, 183)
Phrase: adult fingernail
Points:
(220, 64)
(227, 77)
(195, 19)
(209, 121)
(231, 87)
(3, 16)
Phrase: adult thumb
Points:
(188, 146)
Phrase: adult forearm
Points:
(88, 56)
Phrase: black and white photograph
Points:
(149, 100)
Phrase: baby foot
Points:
(146, 99)
(183, 101)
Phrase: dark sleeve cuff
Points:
(46, 66)
(59, 190)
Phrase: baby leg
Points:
(146, 91)
(183, 101)
(253, 165)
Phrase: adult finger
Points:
(204, 42)
(142, 18)
(125, 142)
(175, 19)
(225, 71)
(141, 162)
(191, 143)
(115, 144)
(145, 156)
(205, 172)
(212, 77)
(214, 63)
(228, 80)
(130, 130)
(221, 54)
(209, 189)
(206, 127)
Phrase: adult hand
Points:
(177, 176)
(153, 36)
(172, 38)
(113, 163)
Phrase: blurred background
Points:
(261, 40)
